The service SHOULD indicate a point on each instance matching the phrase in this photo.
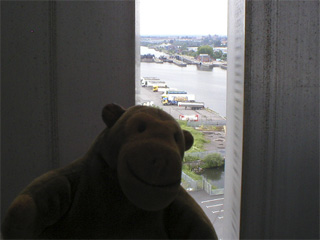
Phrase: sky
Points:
(183, 17)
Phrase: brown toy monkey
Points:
(126, 186)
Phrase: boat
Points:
(224, 66)
(157, 60)
(179, 63)
(147, 58)
(165, 59)
(202, 66)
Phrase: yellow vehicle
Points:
(173, 100)
(155, 88)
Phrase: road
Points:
(213, 206)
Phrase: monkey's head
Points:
(146, 146)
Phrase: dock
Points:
(148, 97)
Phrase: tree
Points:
(206, 49)
(183, 47)
(224, 57)
(217, 43)
(217, 54)
(213, 160)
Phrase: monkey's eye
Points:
(142, 127)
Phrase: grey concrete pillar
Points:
(61, 61)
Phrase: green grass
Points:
(190, 158)
(199, 139)
(191, 174)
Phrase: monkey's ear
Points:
(188, 139)
(111, 113)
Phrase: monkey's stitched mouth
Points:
(177, 183)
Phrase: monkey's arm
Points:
(41, 204)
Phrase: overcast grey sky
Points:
(183, 17)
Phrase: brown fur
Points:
(119, 189)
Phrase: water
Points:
(215, 176)
(208, 86)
